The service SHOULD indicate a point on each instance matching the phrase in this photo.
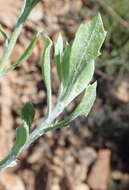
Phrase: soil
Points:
(93, 153)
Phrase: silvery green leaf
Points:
(27, 53)
(65, 64)
(85, 48)
(62, 61)
(28, 6)
(46, 71)
(87, 101)
(22, 134)
(28, 113)
(58, 55)
(82, 81)
(87, 43)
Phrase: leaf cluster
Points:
(75, 67)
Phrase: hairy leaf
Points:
(58, 55)
(27, 53)
(85, 48)
(65, 64)
(84, 78)
(46, 71)
(22, 134)
(87, 101)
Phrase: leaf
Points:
(28, 113)
(85, 48)
(87, 101)
(62, 61)
(27, 53)
(46, 71)
(65, 64)
(24, 57)
(28, 6)
(58, 55)
(81, 83)
(22, 134)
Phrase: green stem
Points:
(9, 48)
(42, 128)
(45, 126)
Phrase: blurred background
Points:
(93, 154)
